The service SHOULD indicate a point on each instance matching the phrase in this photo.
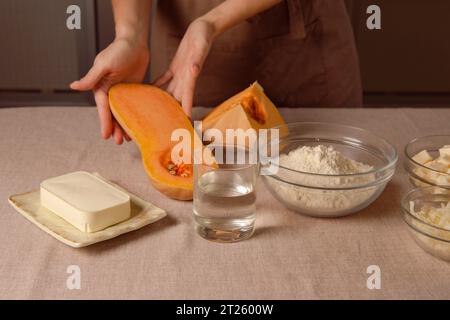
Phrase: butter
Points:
(85, 201)
(440, 167)
(422, 157)
(437, 165)
(444, 151)
(444, 156)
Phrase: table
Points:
(289, 257)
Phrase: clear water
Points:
(224, 206)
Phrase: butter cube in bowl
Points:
(427, 161)
(85, 201)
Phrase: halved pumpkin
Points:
(149, 115)
(250, 108)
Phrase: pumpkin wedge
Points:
(250, 108)
(149, 115)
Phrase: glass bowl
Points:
(420, 175)
(430, 237)
(325, 195)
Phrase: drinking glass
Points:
(225, 195)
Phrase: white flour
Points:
(322, 160)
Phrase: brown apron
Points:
(301, 51)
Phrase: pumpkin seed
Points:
(170, 166)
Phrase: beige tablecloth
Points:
(289, 257)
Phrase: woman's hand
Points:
(187, 63)
(124, 60)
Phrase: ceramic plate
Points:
(28, 204)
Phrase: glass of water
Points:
(225, 196)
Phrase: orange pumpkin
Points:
(250, 108)
(149, 115)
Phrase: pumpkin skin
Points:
(149, 115)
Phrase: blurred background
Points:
(406, 63)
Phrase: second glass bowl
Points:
(322, 195)
(419, 174)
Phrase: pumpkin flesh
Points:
(149, 115)
(259, 112)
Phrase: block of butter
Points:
(85, 201)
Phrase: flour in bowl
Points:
(323, 160)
